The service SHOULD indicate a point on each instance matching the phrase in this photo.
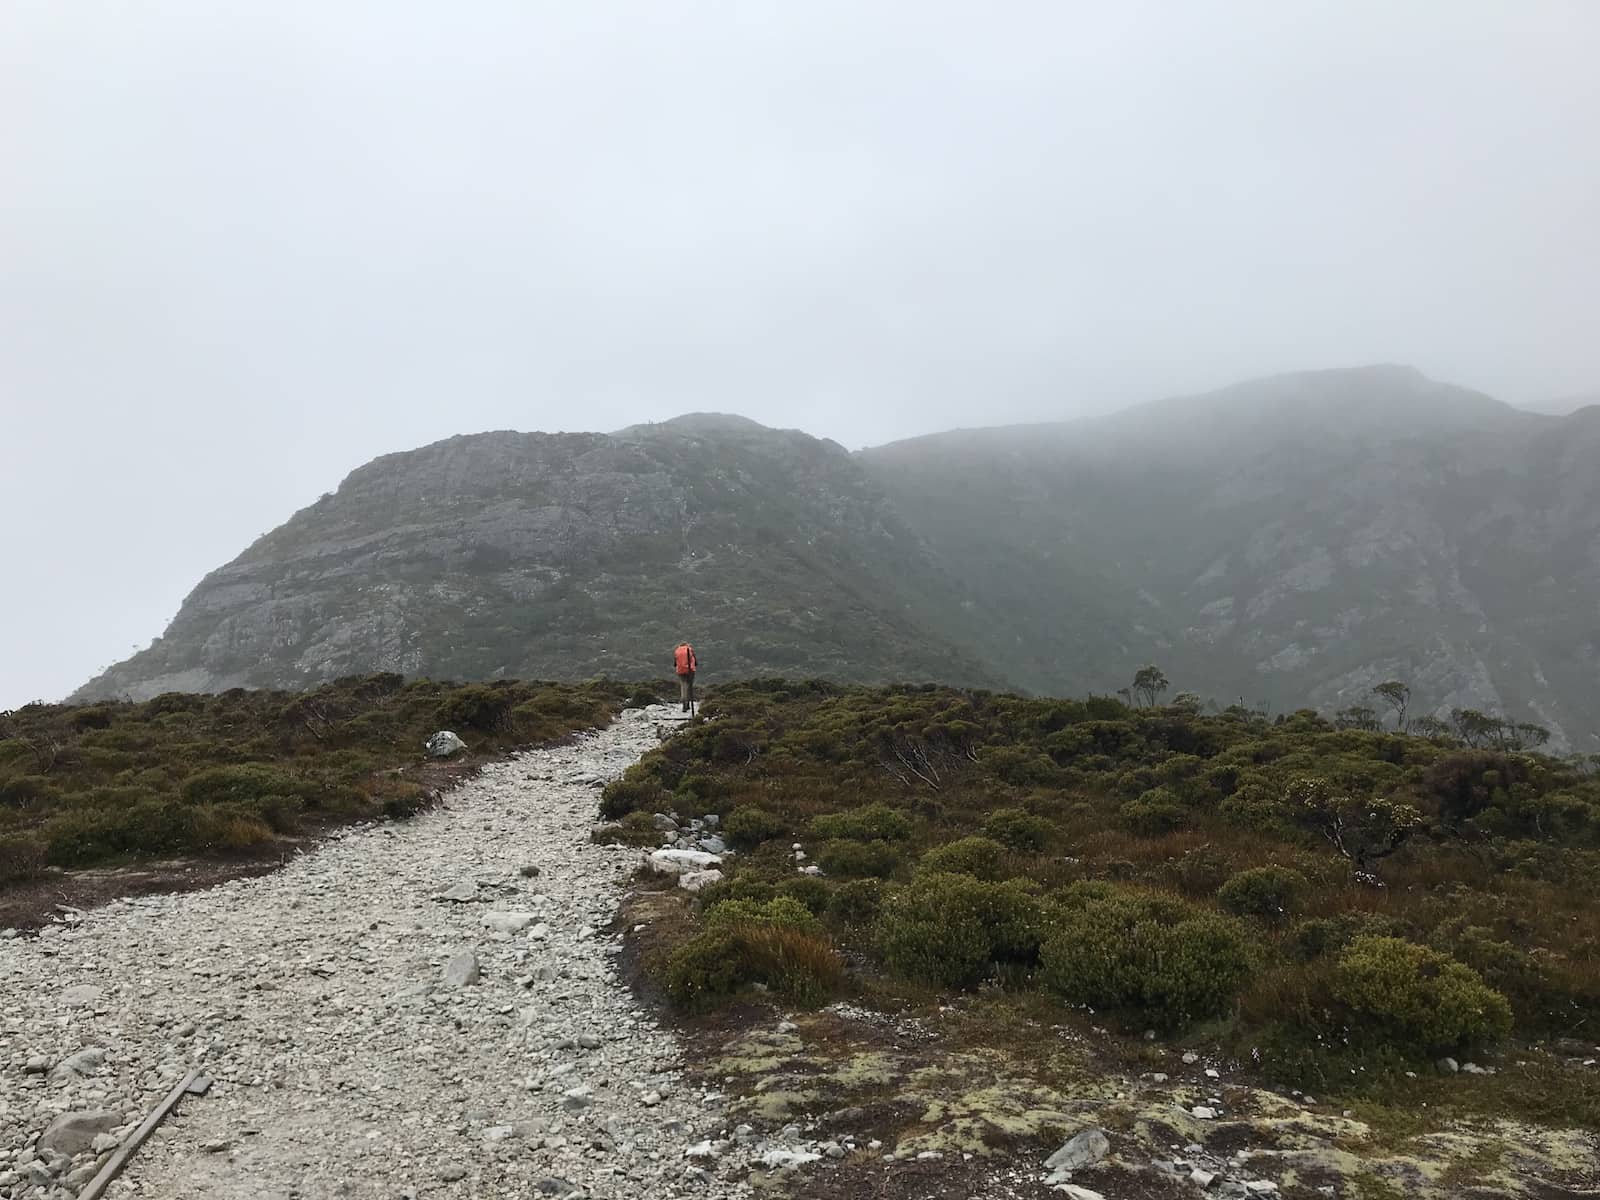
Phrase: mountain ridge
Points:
(1289, 540)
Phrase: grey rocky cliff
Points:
(568, 556)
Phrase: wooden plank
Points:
(195, 1082)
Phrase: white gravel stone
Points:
(340, 1067)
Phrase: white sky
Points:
(245, 247)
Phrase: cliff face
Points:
(1292, 540)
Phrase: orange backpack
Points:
(684, 660)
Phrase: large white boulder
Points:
(443, 744)
(676, 862)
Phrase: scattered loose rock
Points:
(1081, 1150)
(312, 996)
(461, 970)
(74, 1132)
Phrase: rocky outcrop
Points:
(570, 556)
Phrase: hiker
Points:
(685, 664)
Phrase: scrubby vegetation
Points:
(189, 774)
(1331, 902)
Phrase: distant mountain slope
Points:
(569, 555)
(1291, 540)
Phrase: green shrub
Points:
(247, 781)
(809, 890)
(78, 836)
(1019, 829)
(1155, 812)
(711, 966)
(856, 902)
(1322, 936)
(635, 829)
(705, 969)
(1019, 766)
(747, 827)
(1420, 996)
(98, 716)
(981, 857)
(858, 860)
(744, 885)
(1270, 893)
(1170, 963)
(28, 791)
(949, 929)
(476, 707)
(782, 912)
(874, 822)
(22, 857)
(623, 796)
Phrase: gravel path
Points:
(328, 1002)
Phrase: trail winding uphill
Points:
(335, 1005)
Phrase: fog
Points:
(246, 247)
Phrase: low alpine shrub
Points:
(873, 822)
(856, 902)
(1155, 812)
(1019, 829)
(748, 826)
(1420, 996)
(858, 860)
(977, 856)
(1271, 893)
(623, 796)
(781, 912)
(809, 890)
(1117, 948)
(951, 929)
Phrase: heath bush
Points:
(1419, 996)
(856, 902)
(623, 796)
(1171, 964)
(748, 826)
(858, 860)
(981, 857)
(950, 929)
(1155, 812)
(778, 944)
(782, 912)
(873, 822)
(1270, 893)
(809, 890)
(22, 856)
(1019, 829)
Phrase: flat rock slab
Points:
(85, 995)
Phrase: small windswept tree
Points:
(1357, 716)
(1398, 697)
(1148, 684)
(1363, 831)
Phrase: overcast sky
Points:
(245, 247)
